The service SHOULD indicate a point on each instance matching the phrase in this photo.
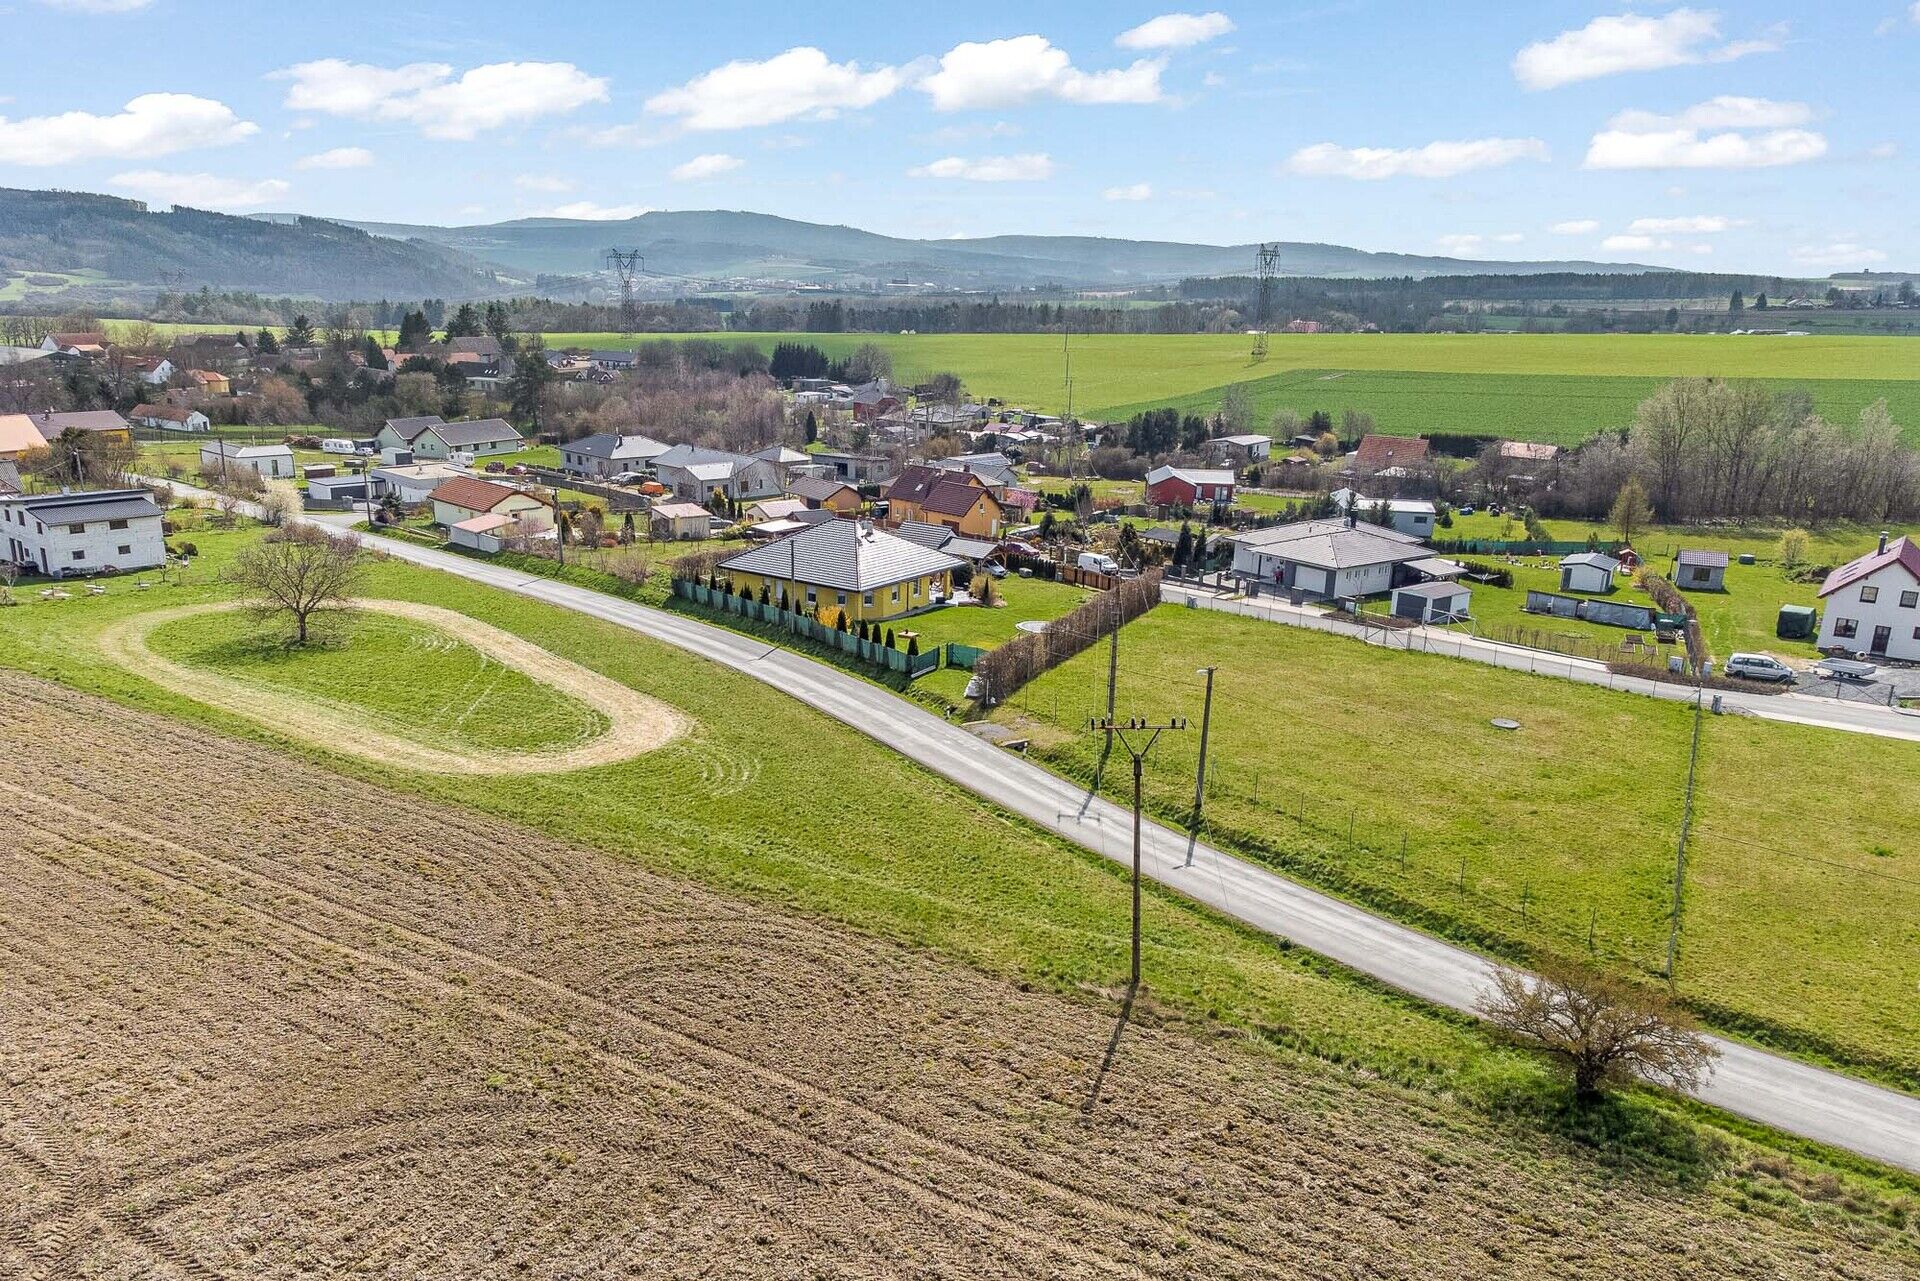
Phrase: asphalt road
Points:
(1791, 1096)
(1808, 705)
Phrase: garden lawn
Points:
(1803, 903)
(988, 626)
(373, 664)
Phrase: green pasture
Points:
(1802, 924)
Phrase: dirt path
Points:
(247, 1032)
(636, 723)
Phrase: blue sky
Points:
(1751, 136)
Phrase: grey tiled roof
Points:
(616, 448)
(104, 504)
(478, 431)
(407, 428)
(846, 555)
(1332, 544)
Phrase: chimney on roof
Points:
(1883, 540)
(1353, 517)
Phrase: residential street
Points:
(1792, 1096)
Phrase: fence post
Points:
(1463, 873)
(1593, 916)
(1403, 851)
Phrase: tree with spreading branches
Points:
(1605, 1031)
(299, 570)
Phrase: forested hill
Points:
(128, 244)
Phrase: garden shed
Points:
(1432, 602)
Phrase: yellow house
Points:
(958, 500)
(211, 381)
(464, 497)
(845, 565)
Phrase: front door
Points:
(1881, 635)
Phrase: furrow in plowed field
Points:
(261, 1020)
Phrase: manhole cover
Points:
(1501, 722)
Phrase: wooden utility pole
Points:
(1200, 773)
(1152, 732)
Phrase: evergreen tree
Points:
(1183, 549)
(527, 389)
(376, 359)
(415, 333)
(890, 643)
(300, 332)
(465, 322)
(266, 344)
(1736, 304)
(813, 428)
(496, 321)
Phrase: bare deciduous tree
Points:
(1605, 1031)
(299, 570)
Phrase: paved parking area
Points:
(1888, 687)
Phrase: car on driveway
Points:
(1759, 667)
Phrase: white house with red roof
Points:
(1871, 605)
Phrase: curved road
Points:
(1789, 1095)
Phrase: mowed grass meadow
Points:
(1802, 917)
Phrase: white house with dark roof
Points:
(694, 473)
(95, 532)
(1331, 559)
(429, 437)
(849, 565)
(609, 453)
(272, 462)
(1871, 604)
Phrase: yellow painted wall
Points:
(827, 599)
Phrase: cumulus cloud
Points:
(1132, 191)
(800, 84)
(1630, 42)
(1841, 255)
(1689, 225)
(200, 190)
(336, 158)
(711, 165)
(587, 210)
(1031, 167)
(153, 124)
(1722, 133)
(1575, 227)
(428, 96)
(1175, 31)
(1435, 160)
(1005, 73)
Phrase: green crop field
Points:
(1803, 905)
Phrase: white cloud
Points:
(969, 133)
(1692, 224)
(587, 210)
(800, 84)
(1031, 167)
(426, 94)
(1004, 73)
(711, 165)
(1435, 160)
(1753, 133)
(551, 184)
(1175, 31)
(336, 158)
(1884, 150)
(200, 190)
(1629, 42)
(97, 6)
(1575, 227)
(1627, 244)
(1132, 191)
(153, 124)
(1839, 256)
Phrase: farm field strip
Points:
(509, 1054)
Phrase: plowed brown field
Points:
(257, 1020)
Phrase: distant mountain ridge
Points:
(130, 245)
(735, 244)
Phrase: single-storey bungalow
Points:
(411, 483)
(1435, 602)
(774, 509)
(846, 565)
(1327, 559)
(1871, 604)
(679, 521)
(694, 473)
(429, 437)
(170, 418)
(1697, 570)
(105, 421)
(1589, 572)
(615, 360)
(85, 533)
(1239, 450)
(338, 490)
(464, 497)
(609, 454)
(273, 462)
(1169, 486)
(826, 493)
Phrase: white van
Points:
(461, 458)
(1098, 562)
(336, 445)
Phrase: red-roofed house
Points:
(1872, 604)
(1377, 453)
(464, 497)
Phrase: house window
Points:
(1846, 628)
(840, 599)
(1909, 599)
(126, 549)
(914, 589)
(896, 595)
(81, 528)
(116, 524)
(812, 597)
(867, 599)
(79, 555)
(1868, 595)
